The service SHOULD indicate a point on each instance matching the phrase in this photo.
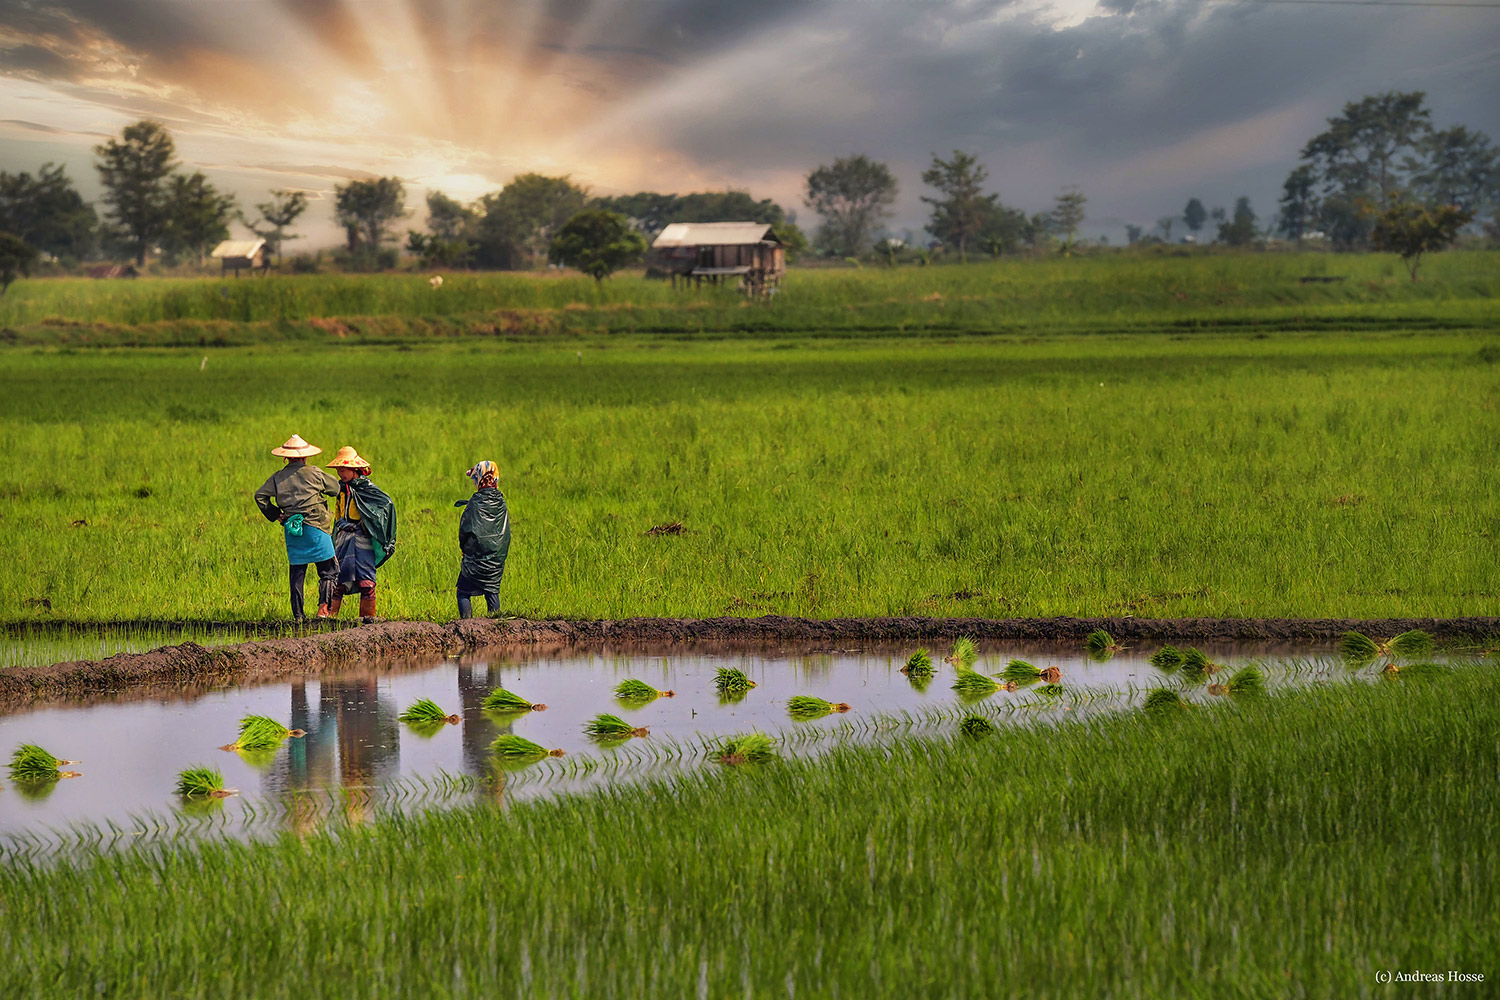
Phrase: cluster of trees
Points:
(1237, 229)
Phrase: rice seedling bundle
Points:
(425, 712)
(1247, 681)
(919, 664)
(976, 726)
(606, 726)
(1020, 670)
(1195, 662)
(1167, 658)
(1357, 647)
(973, 684)
(640, 691)
(965, 652)
(518, 749)
(1163, 701)
(748, 748)
(807, 707)
(202, 782)
(31, 763)
(501, 700)
(260, 732)
(1101, 643)
(728, 680)
(1411, 644)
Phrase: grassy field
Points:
(1327, 474)
(1109, 293)
(1245, 850)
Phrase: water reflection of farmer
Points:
(364, 531)
(293, 496)
(484, 540)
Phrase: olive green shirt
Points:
(298, 489)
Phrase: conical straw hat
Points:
(348, 458)
(295, 447)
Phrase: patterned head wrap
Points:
(484, 474)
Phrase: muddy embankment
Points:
(190, 665)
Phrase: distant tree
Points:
(1194, 214)
(960, 212)
(1298, 203)
(597, 242)
(1361, 151)
(1165, 224)
(1456, 167)
(1067, 214)
(134, 173)
(276, 217)
(1411, 229)
(1240, 230)
(854, 196)
(516, 225)
(1004, 229)
(1038, 230)
(449, 241)
(792, 239)
(1492, 230)
(1133, 233)
(47, 212)
(199, 216)
(366, 210)
(447, 218)
(16, 258)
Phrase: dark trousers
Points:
(466, 608)
(328, 584)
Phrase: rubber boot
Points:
(331, 609)
(367, 604)
(328, 599)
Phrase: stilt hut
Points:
(241, 255)
(749, 252)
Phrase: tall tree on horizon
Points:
(133, 171)
(1067, 213)
(1194, 214)
(367, 208)
(854, 196)
(47, 212)
(960, 214)
(198, 214)
(276, 216)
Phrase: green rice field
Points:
(1248, 849)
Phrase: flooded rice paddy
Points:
(358, 760)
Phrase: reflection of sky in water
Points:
(133, 751)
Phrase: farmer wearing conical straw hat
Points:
(364, 530)
(484, 540)
(293, 496)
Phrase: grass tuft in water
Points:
(611, 727)
(639, 692)
(973, 684)
(1167, 658)
(1021, 671)
(1247, 681)
(975, 726)
(1357, 647)
(260, 733)
(729, 680)
(31, 763)
(202, 782)
(1195, 663)
(747, 748)
(804, 707)
(1410, 644)
(1101, 643)
(965, 652)
(426, 712)
(501, 700)
(918, 664)
(1163, 701)
(519, 750)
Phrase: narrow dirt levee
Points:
(192, 665)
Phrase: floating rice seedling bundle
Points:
(1023, 672)
(1163, 701)
(31, 763)
(519, 750)
(918, 664)
(425, 712)
(612, 727)
(501, 700)
(807, 707)
(1247, 681)
(1101, 643)
(965, 652)
(973, 684)
(1357, 647)
(919, 682)
(1195, 662)
(748, 748)
(260, 732)
(1167, 658)
(975, 726)
(640, 692)
(202, 782)
(728, 680)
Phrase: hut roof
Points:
(697, 234)
(237, 248)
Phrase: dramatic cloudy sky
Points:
(1141, 103)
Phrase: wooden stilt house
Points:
(242, 255)
(747, 252)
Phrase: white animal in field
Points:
(436, 281)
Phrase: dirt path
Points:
(190, 665)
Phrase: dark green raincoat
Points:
(377, 512)
(484, 539)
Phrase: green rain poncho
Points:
(484, 539)
(377, 513)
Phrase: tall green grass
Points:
(1244, 848)
(1305, 476)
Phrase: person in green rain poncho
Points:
(484, 540)
(364, 531)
